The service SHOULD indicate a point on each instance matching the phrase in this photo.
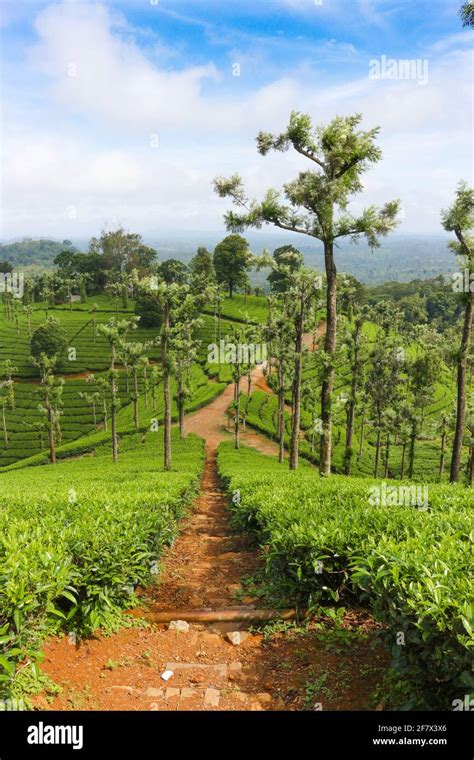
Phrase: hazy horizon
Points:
(401, 256)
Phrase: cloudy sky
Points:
(122, 112)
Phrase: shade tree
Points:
(316, 204)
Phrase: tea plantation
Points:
(324, 541)
(77, 538)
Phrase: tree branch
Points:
(310, 155)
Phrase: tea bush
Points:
(78, 537)
(324, 541)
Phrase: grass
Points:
(240, 308)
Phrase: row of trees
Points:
(180, 308)
(316, 204)
(118, 260)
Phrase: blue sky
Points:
(121, 112)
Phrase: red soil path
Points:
(204, 569)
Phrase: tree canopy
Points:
(232, 259)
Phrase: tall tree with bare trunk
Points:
(114, 332)
(460, 220)
(316, 205)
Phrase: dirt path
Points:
(203, 570)
(208, 560)
(218, 666)
(210, 422)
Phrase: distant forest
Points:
(400, 258)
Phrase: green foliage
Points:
(75, 543)
(231, 261)
(148, 308)
(201, 266)
(27, 251)
(324, 541)
(173, 270)
(287, 256)
(122, 251)
(467, 13)
(49, 339)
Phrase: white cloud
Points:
(94, 153)
(99, 73)
(464, 38)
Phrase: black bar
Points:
(368, 734)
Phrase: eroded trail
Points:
(204, 568)
(201, 570)
(214, 665)
(217, 666)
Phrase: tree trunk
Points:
(5, 430)
(442, 454)
(145, 386)
(411, 457)
(135, 398)
(296, 416)
(281, 414)
(94, 415)
(104, 402)
(352, 403)
(113, 408)
(52, 445)
(330, 348)
(387, 455)
(402, 466)
(362, 426)
(352, 406)
(377, 453)
(166, 385)
(181, 407)
(461, 396)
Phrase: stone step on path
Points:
(214, 661)
(204, 569)
(199, 684)
(197, 698)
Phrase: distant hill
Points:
(29, 252)
(401, 258)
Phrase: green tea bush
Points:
(77, 538)
(325, 541)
